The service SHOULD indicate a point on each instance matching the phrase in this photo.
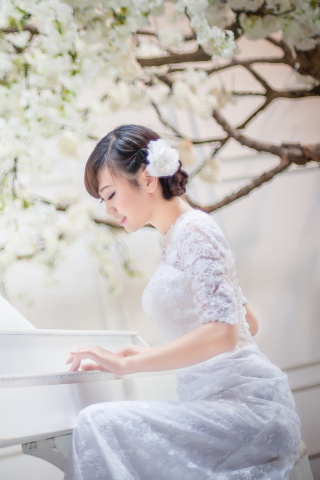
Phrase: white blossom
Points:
(158, 93)
(210, 172)
(257, 27)
(69, 145)
(197, 102)
(163, 159)
(219, 15)
(171, 37)
(186, 152)
(249, 5)
(43, 108)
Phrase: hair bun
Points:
(175, 185)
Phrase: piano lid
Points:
(42, 352)
(11, 319)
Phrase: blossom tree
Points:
(141, 53)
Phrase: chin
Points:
(132, 228)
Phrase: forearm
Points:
(196, 346)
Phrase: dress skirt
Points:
(235, 419)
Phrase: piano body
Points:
(40, 399)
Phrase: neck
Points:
(168, 212)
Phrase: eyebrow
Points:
(106, 186)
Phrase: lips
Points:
(121, 220)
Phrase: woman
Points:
(235, 418)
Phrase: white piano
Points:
(40, 399)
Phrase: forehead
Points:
(107, 179)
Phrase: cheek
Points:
(131, 201)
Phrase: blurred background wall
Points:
(274, 233)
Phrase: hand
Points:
(104, 360)
(131, 350)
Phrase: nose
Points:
(110, 209)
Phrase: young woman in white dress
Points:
(235, 418)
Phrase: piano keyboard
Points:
(59, 378)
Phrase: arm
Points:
(196, 346)
(252, 320)
(200, 344)
(203, 258)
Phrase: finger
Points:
(120, 352)
(79, 351)
(83, 354)
(70, 359)
(92, 366)
(75, 364)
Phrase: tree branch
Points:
(258, 77)
(235, 63)
(223, 141)
(177, 133)
(260, 109)
(26, 28)
(165, 122)
(288, 56)
(294, 93)
(186, 38)
(288, 152)
(198, 56)
(248, 94)
(63, 207)
(257, 182)
(241, 138)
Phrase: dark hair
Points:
(124, 150)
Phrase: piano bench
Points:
(55, 450)
(302, 469)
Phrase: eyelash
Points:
(111, 196)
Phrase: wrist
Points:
(133, 363)
(125, 366)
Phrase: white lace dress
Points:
(235, 418)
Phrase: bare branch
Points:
(186, 38)
(165, 80)
(198, 56)
(248, 94)
(288, 56)
(257, 182)
(27, 28)
(209, 140)
(260, 109)
(312, 152)
(177, 133)
(195, 172)
(273, 94)
(165, 122)
(248, 142)
(258, 77)
(144, 32)
(288, 152)
(235, 63)
(297, 93)
(63, 207)
(309, 62)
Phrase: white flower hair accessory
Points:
(163, 159)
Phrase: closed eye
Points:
(111, 196)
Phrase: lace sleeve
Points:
(243, 298)
(204, 255)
